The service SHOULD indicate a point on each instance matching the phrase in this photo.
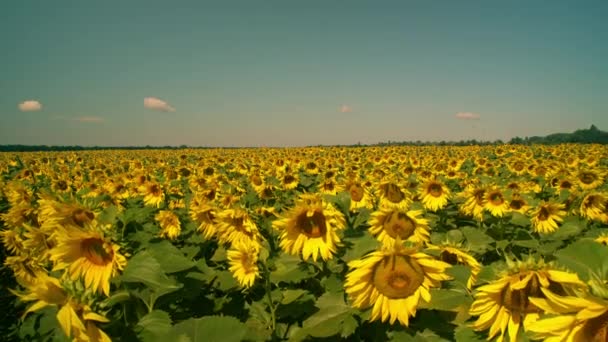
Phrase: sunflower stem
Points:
(269, 297)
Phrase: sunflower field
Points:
(426, 243)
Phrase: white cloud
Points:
(30, 106)
(467, 116)
(157, 104)
(90, 119)
(345, 108)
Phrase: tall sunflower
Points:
(310, 228)
(504, 305)
(204, 214)
(360, 196)
(243, 260)
(434, 194)
(594, 205)
(87, 254)
(153, 194)
(392, 281)
(475, 201)
(546, 216)
(392, 224)
(392, 192)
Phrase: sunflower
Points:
(392, 281)
(504, 305)
(88, 254)
(519, 204)
(434, 194)
(236, 226)
(169, 224)
(390, 225)
(495, 202)
(546, 216)
(454, 254)
(360, 196)
(27, 270)
(289, 180)
(310, 228)
(243, 260)
(391, 192)
(153, 194)
(589, 179)
(594, 205)
(578, 319)
(475, 201)
(603, 239)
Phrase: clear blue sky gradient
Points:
(276, 73)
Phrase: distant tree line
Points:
(584, 136)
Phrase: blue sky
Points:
(293, 73)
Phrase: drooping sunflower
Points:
(169, 224)
(474, 204)
(455, 254)
(243, 261)
(310, 228)
(594, 205)
(204, 214)
(395, 224)
(88, 254)
(392, 281)
(546, 216)
(576, 318)
(504, 305)
(236, 226)
(434, 194)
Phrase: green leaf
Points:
(137, 214)
(520, 219)
(585, 257)
(154, 326)
(361, 218)
(460, 273)
(360, 246)
(447, 300)
(464, 333)
(291, 295)
(478, 241)
(144, 268)
(171, 259)
(334, 317)
(288, 269)
(526, 243)
(211, 328)
(572, 226)
(108, 215)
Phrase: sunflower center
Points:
(543, 214)
(400, 225)
(312, 226)
(356, 192)
(96, 251)
(393, 193)
(435, 190)
(62, 185)
(397, 276)
(256, 180)
(587, 177)
(516, 204)
(209, 171)
(155, 190)
(518, 300)
(288, 179)
(479, 196)
(81, 216)
(496, 199)
(448, 257)
(596, 329)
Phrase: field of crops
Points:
(393, 243)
